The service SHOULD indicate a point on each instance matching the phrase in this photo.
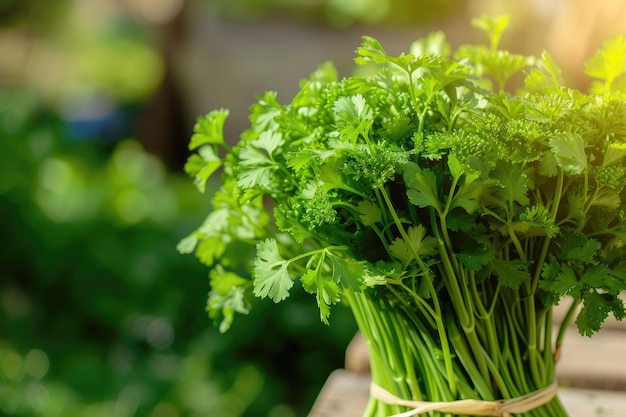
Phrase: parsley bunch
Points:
(450, 214)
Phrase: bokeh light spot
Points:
(13, 366)
(37, 396)
(36, 363)
(55, 175)
(62, 192)
(160, 334)
(132, 206)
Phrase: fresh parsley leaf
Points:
(271, 274)
(545, 78)
(348, 272)
(596, 308)
(264, 112)
(257, 164)
(560, 280)
(222, 307)
(536, 221)
(422, 187)
(418, 244)
(369, 212)
(326, 290)
(288, 220)
(608, 65)
(370, 51)
(569, 152)
(470, 189)
(572, 246)
(510, 274)
(513, 184)
(227, 297)
(209, 130)
(202, 165)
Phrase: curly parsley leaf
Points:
(288, 220)
(536, 220)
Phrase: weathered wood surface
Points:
(598, 362)
(345, 394)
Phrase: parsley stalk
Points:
(437, 308)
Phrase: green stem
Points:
(539, 266)
(420, 127)
(565, 323)
(518, 246)
(486, 316)
(582, 222)
(449, 277)
(468, 359)
(445, 347)
(548, 354)
(406, 356)
(533, 354)
(427, 312)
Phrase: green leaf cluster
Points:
(425, 181)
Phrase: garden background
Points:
(99, 314)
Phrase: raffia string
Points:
(498, 408)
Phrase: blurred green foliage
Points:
(84, 56)
(31, 14)
(100, 315)
(343, 13)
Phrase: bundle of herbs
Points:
(449, 214)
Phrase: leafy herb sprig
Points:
(425, 187)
